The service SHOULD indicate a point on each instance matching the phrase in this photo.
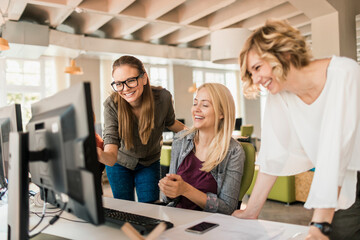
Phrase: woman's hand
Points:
(315, 234)
(243, 214)
(172, 185)
(109, 155)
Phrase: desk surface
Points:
(178, 217)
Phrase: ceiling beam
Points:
(299, 20)
(313, 9)
(109, 6)
(200, 42)
(239, 11)
(283, 11)
(156, 30)
(16, 9)
(157, 8)
(151, 9)
(119, 27)
(196, 9)
(185, 35)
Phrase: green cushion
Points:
(283, 189)
(249, 167)
(165, 156)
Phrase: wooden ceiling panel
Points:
(184, 35)
(155, 31)
(172, 22)
(283, 11)
(120, 27)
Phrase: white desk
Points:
(177, 216)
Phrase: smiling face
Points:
(261, 73)
(131, 95)
(203, 111)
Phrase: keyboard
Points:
(141, 223)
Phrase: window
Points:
(228, 78)
(26, 82)
(158, 75)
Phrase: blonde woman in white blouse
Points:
(311, 120)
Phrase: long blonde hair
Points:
(126, 116)
(278, 43)
(224, 105)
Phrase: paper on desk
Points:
(229, 228)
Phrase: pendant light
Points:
(73, 69)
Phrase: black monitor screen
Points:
(182, 120)
(179, 119)
(62, 130)
(10, 121)
(238, 123)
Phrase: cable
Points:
(67, 219)
(51, 222)
(43, 212)
(3, 193)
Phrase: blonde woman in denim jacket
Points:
(206, 162)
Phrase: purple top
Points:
(190, 172)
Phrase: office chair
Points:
(246, 131)
(249, 167)
(165, 159)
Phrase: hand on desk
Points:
(243, 214)
(172, 185)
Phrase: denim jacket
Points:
(227, 174)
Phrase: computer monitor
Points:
(182, 120)
(62, 152)
(10, 120)
(238, 123)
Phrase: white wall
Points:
(91, 69)
(183, 79)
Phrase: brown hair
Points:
(278, 43)
(125, 115)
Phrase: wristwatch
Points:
(324, 227)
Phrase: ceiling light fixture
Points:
(4, 44)
(227, 43)
(73, 69)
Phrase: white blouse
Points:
(325, 134)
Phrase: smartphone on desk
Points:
(202, 227)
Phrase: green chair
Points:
(165, 158)
(249, 167)
(283, 189)
(247, 130)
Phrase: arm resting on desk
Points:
(263, 185)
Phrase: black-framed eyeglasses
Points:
(130, 83)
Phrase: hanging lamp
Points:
(73, 69)
(4, 45)
(192, 88)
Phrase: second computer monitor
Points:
(238, 123)
(62, 150)
(10, 121)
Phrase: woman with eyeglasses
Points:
(135, 117)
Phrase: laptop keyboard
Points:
(141, 223)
